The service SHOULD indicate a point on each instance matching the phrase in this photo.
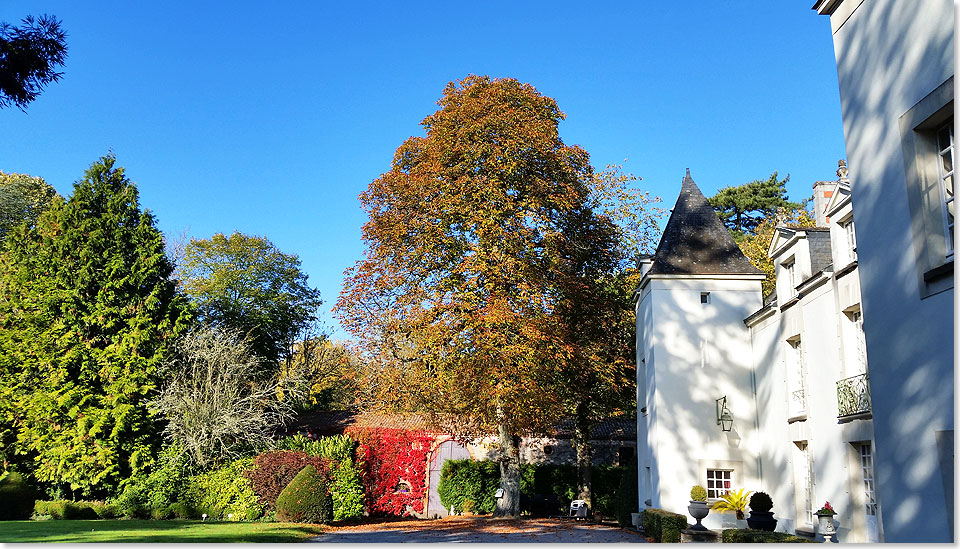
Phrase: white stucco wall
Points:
(696, 353)
(890, 55)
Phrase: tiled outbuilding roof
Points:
(695, 240)
(336, 422)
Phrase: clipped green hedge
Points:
(471, 485)
(734, 535)
(663, 526)
(346, 484)
(64, 509)
(306, 499)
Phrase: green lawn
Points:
(152, 531)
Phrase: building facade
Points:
(791, 370)
(895, 66)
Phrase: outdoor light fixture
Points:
(724, 419)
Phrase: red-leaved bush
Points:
(272, 471)
(393, 463)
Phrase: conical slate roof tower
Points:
(695, 242)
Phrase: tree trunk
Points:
(581, 439)
(509, 504)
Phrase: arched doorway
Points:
(449, 449)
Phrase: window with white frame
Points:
(803, 471)
(851, 240)
(926, 133)
(945, 169)
(861, 343)
(797, 397)
(719, 482)
(790, 276)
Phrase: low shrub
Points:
(306, 499)
(273, 471)
(223, 492)
(734, 535)
(149, 495)
(663, 526)
(627, 495)
(17, 497)
(181, 510)
(463, 480)
(346, 484)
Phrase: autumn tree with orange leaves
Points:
(478, 238)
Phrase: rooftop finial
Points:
(842, 169)
(688, 173)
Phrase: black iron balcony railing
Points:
(853, 395)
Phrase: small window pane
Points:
(943, 137)
(947, 162)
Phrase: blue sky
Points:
(271, 120)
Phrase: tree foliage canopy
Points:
(467, 246)
(245, 284)
(743, 207)
(22, 199)
(86, 312)
(29, 57)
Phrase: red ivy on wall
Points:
(393, 463)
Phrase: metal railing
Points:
(853, 395)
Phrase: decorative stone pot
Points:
(762, 520)
(698, 510)
(827, 527)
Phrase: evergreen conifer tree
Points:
(87, 310)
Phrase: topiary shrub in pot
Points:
(698, 508)
(306, 499)
(761, 518)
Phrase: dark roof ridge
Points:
(695, 241)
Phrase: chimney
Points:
(822, 192)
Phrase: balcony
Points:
(853, 396)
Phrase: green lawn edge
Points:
(154, 531)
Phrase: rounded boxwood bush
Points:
(17, 498)
(306, 499)
(760, 501)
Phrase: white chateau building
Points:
(791, 372)
(895, 67)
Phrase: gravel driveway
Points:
(479, 530)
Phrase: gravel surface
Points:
(479, 530)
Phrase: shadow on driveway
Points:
(479, 530)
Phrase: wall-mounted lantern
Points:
(724, 418)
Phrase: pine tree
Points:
(87, 309)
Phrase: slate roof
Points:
(336, 422)
(695, 241)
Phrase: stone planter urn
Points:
(698, 510)
(762, 520)
(827, 527)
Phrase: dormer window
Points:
(790, 278)
(851, 240)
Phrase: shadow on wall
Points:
(914, 386)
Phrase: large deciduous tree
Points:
(473, 244)
(86, 312)
(743, 207)
(245, 284)
(22, 199)
(29, 57)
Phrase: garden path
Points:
(478, 530)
